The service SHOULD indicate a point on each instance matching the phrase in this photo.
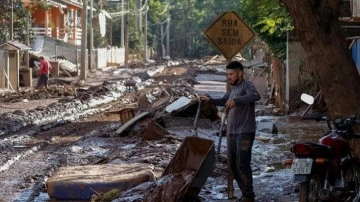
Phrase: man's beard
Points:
(235, 82)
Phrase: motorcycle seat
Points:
(313, 150)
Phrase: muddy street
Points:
(83, 129)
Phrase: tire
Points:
(352, 178)
(309, 191)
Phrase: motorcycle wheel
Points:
(309, 191)
(352, 176)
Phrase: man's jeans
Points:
(42, 80)
(239, 159)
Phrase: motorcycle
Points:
(327, 171)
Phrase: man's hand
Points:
(204, 98)
(230, 104)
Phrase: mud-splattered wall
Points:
(299, 77)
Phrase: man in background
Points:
(43, 75)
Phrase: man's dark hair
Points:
(235, 65)
(41, 58)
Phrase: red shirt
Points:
(44, 67)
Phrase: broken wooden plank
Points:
(130, 123)
(65, 71)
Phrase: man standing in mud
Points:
(241, 126)
(44, 72)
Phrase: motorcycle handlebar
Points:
(357, 121)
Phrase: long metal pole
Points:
(168, 37)
(126, 36)
(91, 61)
(162, 41)
(12, 21)
(27, 56)
(83, 42)
(111, 33)
(122, 24)
(145, 35)
(139, 14)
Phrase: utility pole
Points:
(168, 37)
(12, 21)
(27, 56)
(145, 34)
(126, 36)
(122, 23)
(138, 14)
(91, 61)
(163, 52)
(111, 32)
(83, 41)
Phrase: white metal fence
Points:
(109, 56)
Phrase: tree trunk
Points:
(319, 32)
(318, 29)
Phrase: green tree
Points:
(270, 21)
(19, 23)
(157, 20)
(189, 18)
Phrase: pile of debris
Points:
(53, 91)
(183, 176)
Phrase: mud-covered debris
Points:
(128, 124)
(170, 187)
(82, 182)
(154, 131)
(142, 75)
(178, 104)
(160, 103)
(50, 92)
(126, 115)
(267, 126)
(108, 196)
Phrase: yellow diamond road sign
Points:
(229, 33)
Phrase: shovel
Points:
(197, 118)
(222, 124)
(230, 177)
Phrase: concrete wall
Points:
(260, 80)
(4, 71)
(299, 71)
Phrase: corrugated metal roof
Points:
(16, 45)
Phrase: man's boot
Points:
(246, 199)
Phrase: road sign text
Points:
(228, 41)
(229, 34)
